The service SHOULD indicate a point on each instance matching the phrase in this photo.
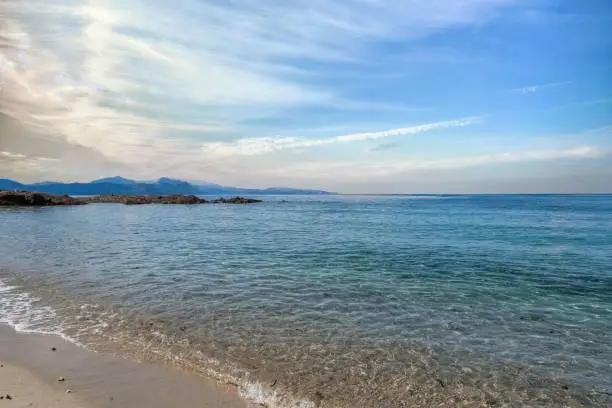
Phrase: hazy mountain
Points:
(115, 180)
(163, 186)
(6, 184)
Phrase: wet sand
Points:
(31, 369)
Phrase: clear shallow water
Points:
(334, 301)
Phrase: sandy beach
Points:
(21, 388)
(37, 370)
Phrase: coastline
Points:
(33, 363)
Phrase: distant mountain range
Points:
(163, 186)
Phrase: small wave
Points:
(25, 313)
(256, 393)
(21, 311)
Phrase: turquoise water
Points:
(341, 301)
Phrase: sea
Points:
(333, 301)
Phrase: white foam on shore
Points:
(255, 393)
(24, 313)
(20, 311)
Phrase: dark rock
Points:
(53, 349)
(8, 397)
(139, 200)
(30, 199)
(61, 379)
(236, 200)
(25, 198)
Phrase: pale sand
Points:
(27, 390)
(31, 370)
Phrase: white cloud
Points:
(364, 171)
(257, 146)
(11, 156)
(601, 130)
(535, 88)
(114, 74)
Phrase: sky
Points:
(354, 96)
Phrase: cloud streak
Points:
(535, 88)
(113, 74)
(381, 170)
(257, 146)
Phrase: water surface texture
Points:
(342, 301)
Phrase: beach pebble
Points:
(53, 349)
(317, 399)
(60, 379)
(8, 397)
(68, 391)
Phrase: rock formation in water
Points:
(137, 200)
(26, 198)
(236, 200)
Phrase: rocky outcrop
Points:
(138, 200)
(236, 200)
(25, 198)
(29, 199)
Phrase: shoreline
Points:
(38, 369)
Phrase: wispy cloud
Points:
(11, 156)
(590, 102)
(385, 146)
(380, 170)
(535, 88)
(111, 75)
(601, 130)
(257, 146)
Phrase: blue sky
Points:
(352, 96)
